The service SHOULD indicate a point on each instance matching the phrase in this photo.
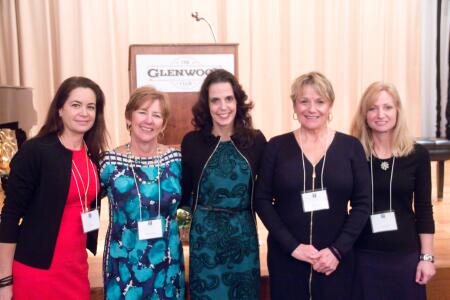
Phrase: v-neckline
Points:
(306, 157)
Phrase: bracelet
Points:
(7, 278)
(6, 281)
(426, 257)
(335, 252)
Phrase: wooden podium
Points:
(179, 70)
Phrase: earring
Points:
(294, 116)
(161, 135)
(330, 117)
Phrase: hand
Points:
(325, 261)
(425, 270)
(304, 252)
(6, 292)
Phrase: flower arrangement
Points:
(8, 147)
(184, 219)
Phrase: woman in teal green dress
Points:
(219, 162)
(143, 257)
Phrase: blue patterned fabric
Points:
(224, 255)
(133, 268)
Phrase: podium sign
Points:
(179, 71)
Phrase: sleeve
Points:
(105, 170)
(261, 143)
(186, 175)
(264, 194)
(104, 173)
(100, 191)
(359, 201)
(22, 183)
(423, 208)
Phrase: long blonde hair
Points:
(402, 142)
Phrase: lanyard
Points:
(84, 208)
(132, 166)
(390, 182)
(314, 166)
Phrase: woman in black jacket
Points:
(51, 200)
(219, 162)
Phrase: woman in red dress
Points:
(50, 214)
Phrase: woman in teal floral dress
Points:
(220, 159)
(143, 256)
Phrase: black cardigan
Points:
(37, 192)
(280, 184)
(197, 147)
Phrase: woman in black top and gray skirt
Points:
(394, 254)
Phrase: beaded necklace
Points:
(132, 164)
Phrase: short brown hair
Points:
(144, 94)
(315, 79)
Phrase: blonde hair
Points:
(144, 94)
(315, 79)
(402, 142)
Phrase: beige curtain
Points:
(353, 42)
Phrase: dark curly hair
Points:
(243, 126)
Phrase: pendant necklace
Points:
(384, 165)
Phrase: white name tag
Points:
(384, 221)
(315, 200)
(150, 229)
(90, 220)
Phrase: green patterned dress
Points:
(224, 255)
(136, 269)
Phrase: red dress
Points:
(67, 277)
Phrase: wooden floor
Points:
(439, 286)
(437, 289)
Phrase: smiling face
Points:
(222, 106)
(312, 109)
(78, 112)
(381, 115)
(146, 122)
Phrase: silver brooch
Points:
(385, 165)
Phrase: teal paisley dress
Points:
(224, 255)
(133, 268)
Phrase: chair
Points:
(439, 150)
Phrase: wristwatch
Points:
(426, 257)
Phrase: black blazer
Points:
(37, 192)
(197, 147)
